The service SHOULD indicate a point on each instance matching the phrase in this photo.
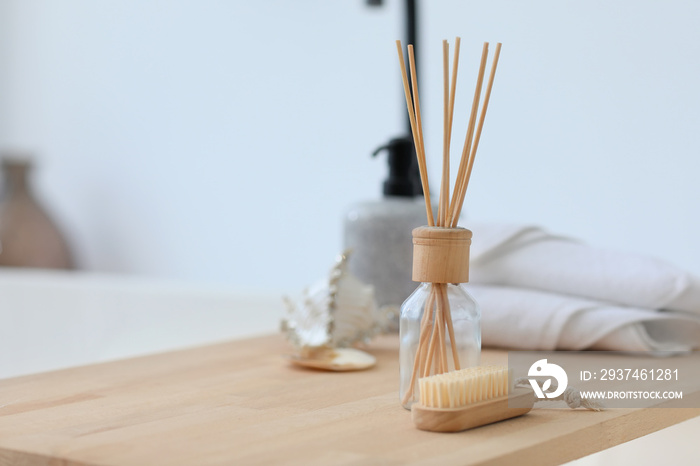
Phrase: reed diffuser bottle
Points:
(440, 323)
(440, 327)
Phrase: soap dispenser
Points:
(378, 233)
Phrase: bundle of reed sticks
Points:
(436, 324)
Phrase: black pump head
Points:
(401, 181)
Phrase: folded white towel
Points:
(539, 291)
(528, 257)
(534, 320)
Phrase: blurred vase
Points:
(28, 236)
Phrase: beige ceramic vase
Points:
(28, 236)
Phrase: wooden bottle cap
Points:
(441, 255)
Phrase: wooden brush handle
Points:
(441, 255)
(475, 415)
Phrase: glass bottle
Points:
(440, 324)
(28, 236)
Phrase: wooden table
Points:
(242, 403)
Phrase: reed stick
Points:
(421, 352)
(450, 107)
(422, 165)
(438, 336)
(477, 138)
(444, 185)
(430, 354)
(451, 332)
(453, 88)
(442, 348)
(458, 196)
(415, 129)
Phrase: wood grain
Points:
(242, 403)
(441, 255)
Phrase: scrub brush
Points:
(471, 397)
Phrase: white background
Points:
(221, 141)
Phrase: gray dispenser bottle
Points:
(379, 232)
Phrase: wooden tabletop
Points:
(241, 402)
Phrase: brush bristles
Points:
(464, 387)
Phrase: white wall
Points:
(220, 141)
